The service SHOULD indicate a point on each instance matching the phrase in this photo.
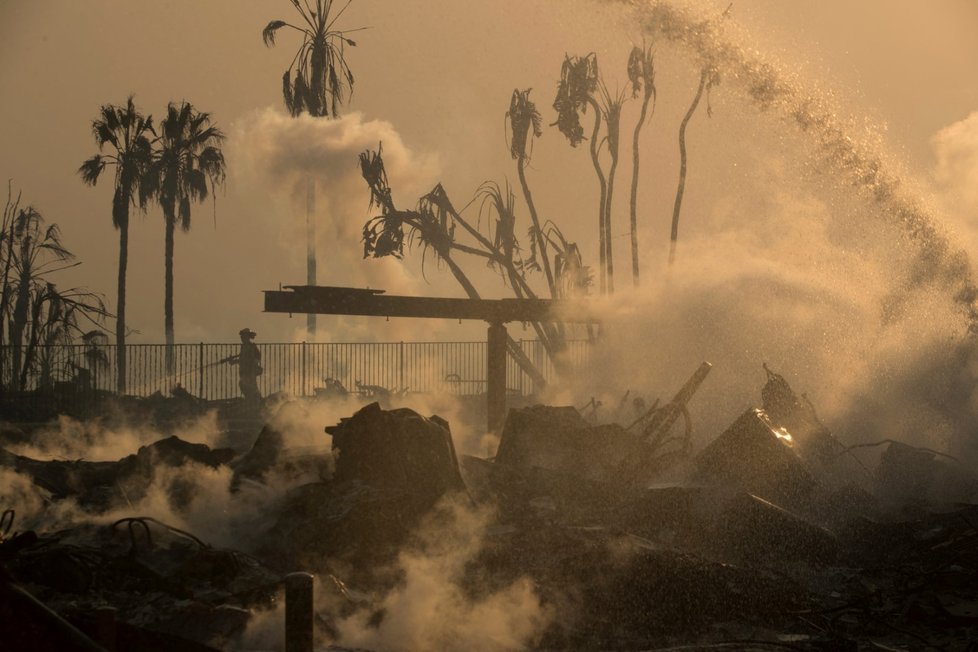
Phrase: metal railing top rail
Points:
(297, 368)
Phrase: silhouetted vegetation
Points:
(187, 166)
(35, 315)
(126, 133)
(317, 81)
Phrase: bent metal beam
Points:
(324, 300)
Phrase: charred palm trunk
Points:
(537, 229)
(558, 330)
(613, 140)
(311, 249)
(682, 167)
(5, 292)
(33, 335)
(120, 322)
(602, 232)
(168, 289)
(633, 200)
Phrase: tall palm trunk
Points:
(168, 289)
(20, 316)
(602, 233)
(311, 248)
(5, 291)
(537, 230)
(682, 167)
(613, 128)
(633, 202)
(120, 322)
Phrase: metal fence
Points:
(297, 368)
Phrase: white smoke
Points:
(431, 610)
(273, 155)
(956, 152)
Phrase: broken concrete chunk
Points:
(264, 455)
(559, 439)
(756, 528)
(915, 478)
(397, 450)
(758, 458)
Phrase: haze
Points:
(440, 72)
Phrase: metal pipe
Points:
(298, 612)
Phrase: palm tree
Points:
(709, 77)
(641, 72)
(38, 314)
(126, 133)
(610, 108)
(524, 123)
(188, 164)
(432, 228)
(579, 81)
(317, 81)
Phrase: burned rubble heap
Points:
(776, 535)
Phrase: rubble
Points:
(392, 467)
(775, 535)
(97, 484)
(755, 456)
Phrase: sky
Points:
(433, 80)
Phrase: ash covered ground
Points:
(584, 529)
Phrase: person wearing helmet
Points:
(249, 366)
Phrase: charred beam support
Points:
(305, 299)
(324, 300)
(496, 342)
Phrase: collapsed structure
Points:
(775, 534)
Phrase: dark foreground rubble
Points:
(775, 535)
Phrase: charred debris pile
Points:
(776, 535)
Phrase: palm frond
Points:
(268, 34)
(91, 169)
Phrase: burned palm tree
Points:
(434, 227)
(524, 124)
(427, 228)
(37, 313)
(641, 74)
(709, 77)
(318, 81)
(126, 133)
(610, 107)
(576, 91)
(573, 277)
(35, 251)
(187, 167)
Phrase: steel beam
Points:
(323, 300)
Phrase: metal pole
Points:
(105, 627)
(496, 377)
(200, 365)
(302, 388)
(298, 612)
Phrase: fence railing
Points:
(296, 368)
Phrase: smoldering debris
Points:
(575, 535)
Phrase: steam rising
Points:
(824, 263)
(430, 609)
(956, 149)
(275, 154)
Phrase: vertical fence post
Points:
(302, 388)
(200, 370)
(400, 355)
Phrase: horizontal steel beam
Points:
(323, 300)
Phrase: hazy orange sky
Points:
(440, 72)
